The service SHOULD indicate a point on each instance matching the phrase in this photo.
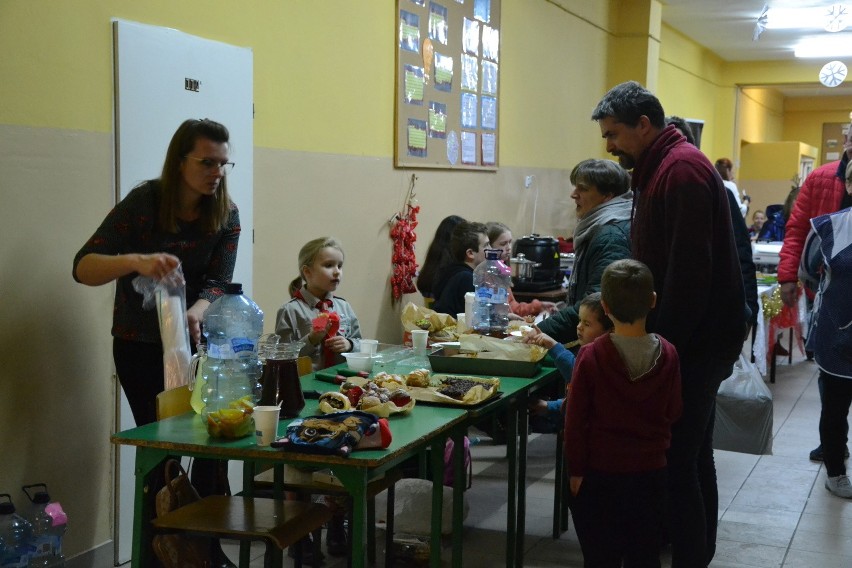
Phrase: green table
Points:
(186, 435)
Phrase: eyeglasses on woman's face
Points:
(224, 167)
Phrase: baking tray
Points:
(442, 361)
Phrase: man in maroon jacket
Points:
(682, 231)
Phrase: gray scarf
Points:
(618, 208)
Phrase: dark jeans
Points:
(693, 495)
(139, 367)
(617, 518)
(821, 386)
(833, 421)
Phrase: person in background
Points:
(623, 399)
(183, 218)
(604, 201)
(467, 245)
(824, 191)
(726, 168)
(320, 272)
(758, 218)
(682, 231)
(500, 238)
(827, 265)
(437, 257)
(546, 416)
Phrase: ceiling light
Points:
(829, 46)
(835, 18)
(832, 73)
(795, 18)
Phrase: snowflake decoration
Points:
(837, 18)
(832, 73)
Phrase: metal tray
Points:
(442, 361)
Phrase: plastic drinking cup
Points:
(369, 346)
(266, 424)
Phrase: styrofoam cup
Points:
(266, 424)
(369, 346)
(419, 338)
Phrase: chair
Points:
(279, 524)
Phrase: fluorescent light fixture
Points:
(831, 18)
(795, 18)
(827, 47)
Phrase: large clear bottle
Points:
(48, 527)
(233, 325)
(492, 280)
(15, 532)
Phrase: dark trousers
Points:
(617, 518)
(693, 495)
(833, 421)
(139, 367)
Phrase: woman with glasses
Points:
(185, 218)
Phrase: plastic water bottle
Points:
(492, 280)
(16, 532)
(49, 523)
(233, 325)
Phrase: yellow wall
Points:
(691, 87)
(804, 117)
(768, 169)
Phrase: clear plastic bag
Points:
(743, 412)
(169, 296)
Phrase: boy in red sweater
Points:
(624, 397)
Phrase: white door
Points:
(163, 77)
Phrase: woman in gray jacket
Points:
(604, 201)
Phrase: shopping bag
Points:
(743, 412)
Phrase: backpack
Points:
(773, 228)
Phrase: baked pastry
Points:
(418, 378)
(333, 402)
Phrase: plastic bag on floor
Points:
(412, 513)
(743, 412)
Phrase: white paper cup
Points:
(266, 424)
(369, 346)
(419, 338)
(461, 322)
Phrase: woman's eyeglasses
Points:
(210, 165)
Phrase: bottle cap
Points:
(233, 288)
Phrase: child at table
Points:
(546, 416)
(312, 294)
(624, 397)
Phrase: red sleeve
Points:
(796, 230)
(578, 409)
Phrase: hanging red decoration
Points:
(403, 261)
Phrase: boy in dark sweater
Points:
(624, 397)
(467, 245)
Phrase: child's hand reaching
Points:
(538, 337)
(338, 344)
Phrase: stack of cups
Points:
(468, 309)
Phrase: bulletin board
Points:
(447, 79)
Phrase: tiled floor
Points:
(773, 510)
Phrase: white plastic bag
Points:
(743, 412)
(169, 296)
(413, 508)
